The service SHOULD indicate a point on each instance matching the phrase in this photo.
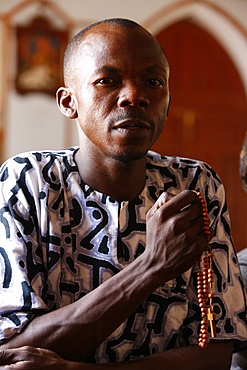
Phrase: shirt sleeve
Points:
(21, 262)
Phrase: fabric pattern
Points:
(60, 239)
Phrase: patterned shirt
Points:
(60, 239)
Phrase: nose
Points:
(132, 95)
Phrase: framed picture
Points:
(40, 50)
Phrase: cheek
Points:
(160, 114)
(96, 107)
(92, 125)
(160, 122)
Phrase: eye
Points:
(106, 81)
(155, 82)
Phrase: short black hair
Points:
(72, 49)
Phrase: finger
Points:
(181, 201)
(7, 356)
(208, 236)
(163, 198)
(188, 223)
(190, 217)
(13, 355)
(203, 242)
(176, 203)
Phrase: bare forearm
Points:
(214, 357)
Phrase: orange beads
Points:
(205, 279)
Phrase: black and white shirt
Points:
(60, 239)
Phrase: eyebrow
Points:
(149, 69)
(107, 68)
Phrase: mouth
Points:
(132, 129)
(132, 124)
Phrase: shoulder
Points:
(33, 172)
(174, 161)
(178, 173)
(180, 164)
(35, 162)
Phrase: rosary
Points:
(205, 279)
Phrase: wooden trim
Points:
(49, 4)
(169, 9)
(228, 16)
(5, 87)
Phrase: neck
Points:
(120, 180)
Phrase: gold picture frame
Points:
(40, 50)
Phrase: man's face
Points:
(121, 91)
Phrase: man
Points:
(239, 359)
(101, 243)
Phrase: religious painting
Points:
(40, 50)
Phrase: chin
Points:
(130, 155)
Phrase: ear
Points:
(67, 102)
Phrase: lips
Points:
(131, 123)
(132, 129)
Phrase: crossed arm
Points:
(214, 357)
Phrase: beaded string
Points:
(205, 280)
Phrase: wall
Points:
(34, 122)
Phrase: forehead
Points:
(120, 45)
